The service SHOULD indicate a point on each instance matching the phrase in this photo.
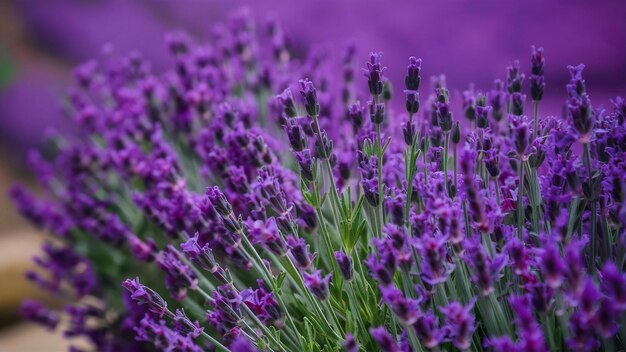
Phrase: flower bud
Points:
(345, 265)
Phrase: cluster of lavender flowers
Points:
(246, 200)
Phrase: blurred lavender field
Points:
(40, 41)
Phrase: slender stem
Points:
(214, 342)
(327, 241)
(454, 156)
(334, 195)
(444, 162)
(520, 203)
(536, 122)
(497, 187)
(380, 181)
(594, 244)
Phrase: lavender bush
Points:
(246, 200)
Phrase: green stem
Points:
(380, 181)
(497, 186)
(594, 244)
(536, 122)
(520, 196)
(454, 160)
(445, 161)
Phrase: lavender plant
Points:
(244, 201)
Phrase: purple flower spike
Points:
(537, 83)
(385, 341)
(267, 234)
(407, 310)
(459, 324)
(552, 265)
(299, 251)
(345, 265)
(377, 112)
(318, 284)
(145, 295)
(350, 344)
(412, 79)
(38, 313)
(514, 78)
(288, 103)
(614, 284)
(185, 326)
(355, 114)
(179, 277)
(427, 329)
(295, 133)
(530, 336)
(309, 94)
(374, 74)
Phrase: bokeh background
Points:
(469, 41)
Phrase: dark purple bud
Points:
(305, 161)
(444, 116)
(179, 277)
(576, 85)
(408, 131)
(497, 100)
(482, 112)
(492, 162)
(551, 264)
(178, 42)
(297, 138)
(345, 265)
(537, 87)
(374, 74)
(460, 324)
(318, 284)
(201, 255)
(606, 318)
(350, 344)
(514, 78)
(385, 341)
(145, 295)
(185, 326)
(582, 114)
(469, 104)
(267, 234)
(520, 134)
(517, 103)
(323, 147)
(456, 133)
(407, 310)
(427, 329)
(309, 94)
(412, 80)
(219, 201)
(412, 101)
(355, 114)
(299, 251)
(377, 112)
(537, 61)
(382, 270)
(614, 284)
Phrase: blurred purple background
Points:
(469, 41)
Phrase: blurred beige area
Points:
(19, 241)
